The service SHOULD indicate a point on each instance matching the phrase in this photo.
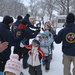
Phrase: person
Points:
(6, 36)
(16, 24)
(3, 46)
(13, 66)
(29, 23)
(45, 44)
(35, 54)
(67, 37)
(27, 34)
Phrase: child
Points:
(34, 60)
(13, 66)
(45, 44)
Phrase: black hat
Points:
(36, 41)
(24, 22)
(7, 19)
(19, 17)
(27, 16)
(70, 18)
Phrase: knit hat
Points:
(36, 41)
(45, 33)
(7, 20)
(70, 18)
(27, 16)
(13, 65)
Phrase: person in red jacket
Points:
(35, 54)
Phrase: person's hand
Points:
(53, 31)
(22, 43)
(3, 46)
(43, 61)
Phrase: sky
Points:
(26, 2)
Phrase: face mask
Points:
(34, 47)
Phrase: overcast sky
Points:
(26, 2)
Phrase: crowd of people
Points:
(39, 51)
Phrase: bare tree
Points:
(63, 6)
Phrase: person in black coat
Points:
(16, 24)
(27, 34)
(29, 23)
(6, 35)
(67, 37)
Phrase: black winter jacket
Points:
(6, 35)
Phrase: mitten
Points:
(22, 43)
(43, 61)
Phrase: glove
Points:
(43, 61)
(22, 43)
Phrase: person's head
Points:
(13, 66)
(32, 20)
(70, 18)
(27, 16)
(19, 17)
(7, 20)
(35, 43)
(45, 34)
(23, 24)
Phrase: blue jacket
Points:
(6, 35)
(67, 37)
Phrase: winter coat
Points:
(34, 54)
(6, 35)
(15, 25)
(67, 37)
(27, 32)
(45, 43)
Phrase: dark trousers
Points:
(2, 65)
(35, 70)
(47, 62)
(25, 58)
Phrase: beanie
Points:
(13, 65)
(7, 20)
(24, 22)
(70, 18)
(36, 41)
(19, 17)
(27, 16)
(45, 33)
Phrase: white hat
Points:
(13, 65)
